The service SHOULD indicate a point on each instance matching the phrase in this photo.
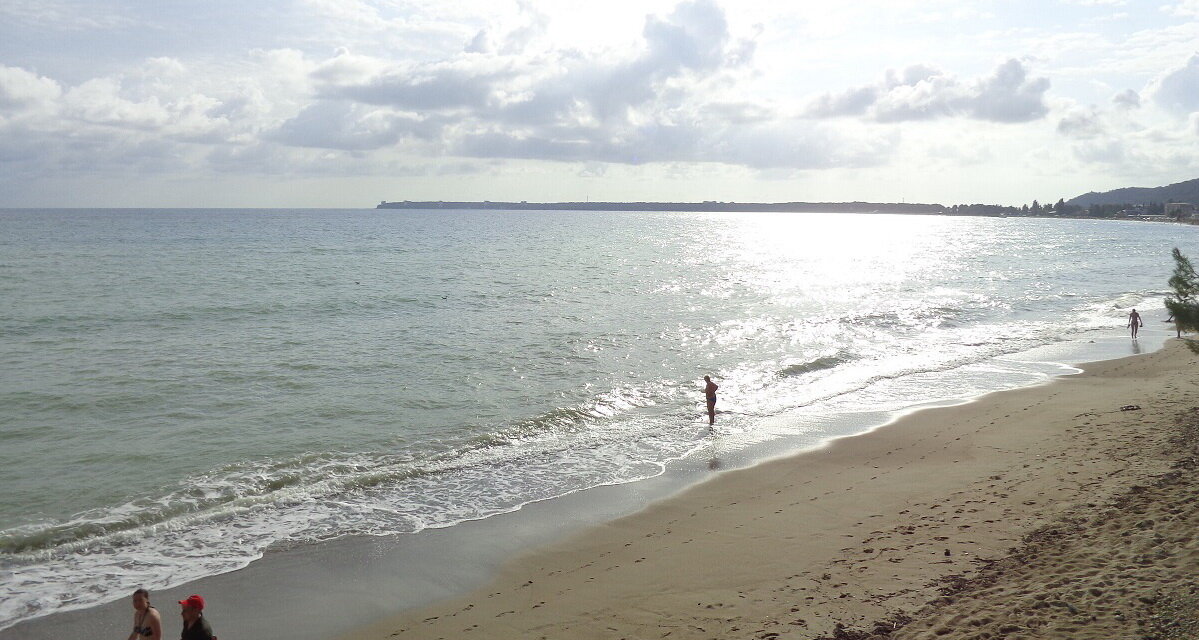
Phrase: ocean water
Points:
(182, 390)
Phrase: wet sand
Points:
(1056, 511)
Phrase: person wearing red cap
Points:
(195, 626)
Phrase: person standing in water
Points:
(1134, 322)
(147, 623)
(710, 392)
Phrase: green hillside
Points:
(1187, 191)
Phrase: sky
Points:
(343, 103)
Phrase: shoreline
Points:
(371, 578)
(846, 535)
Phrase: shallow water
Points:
(182, 389)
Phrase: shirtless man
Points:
(1134, 321)
(710, 391)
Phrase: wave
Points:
(578, 417)
(819, 364)
(248, 311)
(231, 516)
(907, 316)
(410, 369)
(258, 485)
(252, 486)
(1127, 300)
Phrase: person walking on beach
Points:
(195, 625)
(1134, 321)
(147, 623)
(710, 392)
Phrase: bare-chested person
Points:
(1135, 322)
(710, 392)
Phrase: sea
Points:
(184, 390)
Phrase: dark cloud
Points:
(694, 39)
(766, 146)
(852, 102)
(425, 90)
(664, 101)
(342, 125)
(1080, 124)
(648, 107)
(683, 48)
(34, 153)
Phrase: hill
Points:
(1187, 191)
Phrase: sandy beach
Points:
(1065, 510)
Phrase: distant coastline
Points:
(827, 207)
(1061, 210)
(1135, 203)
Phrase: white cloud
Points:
(1008, 95)
(1185, 8)
(163, 67)
(1127, 99)
(99, 101)
(652, 105)
(923, 92)
(851, 102)
(21, 89)
(649, 92)
(66, 15)
(1178, 89)
(1101, 152)
(354, 12)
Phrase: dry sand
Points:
(1049, 512)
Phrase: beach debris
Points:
(1131, 407)
(1175, 614)
(879, 629)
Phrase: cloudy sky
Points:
(342, 103)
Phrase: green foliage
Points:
(982, 210)
(1184, 304)
(1104, 210)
